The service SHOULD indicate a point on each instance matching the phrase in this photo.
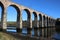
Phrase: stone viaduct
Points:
(44, 20)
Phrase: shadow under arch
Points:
(17, 22)
(2, 13)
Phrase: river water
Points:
(24, 30)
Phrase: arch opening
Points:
(25, 17)
(34, 19)
(47, 21)
(40, 20)
(12, 17)
(25, 20)
(44, 21)
(40, 25)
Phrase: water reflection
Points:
(24, 31)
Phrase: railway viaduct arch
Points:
(44, 20)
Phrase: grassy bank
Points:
(5, 36)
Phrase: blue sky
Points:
(49, 7)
